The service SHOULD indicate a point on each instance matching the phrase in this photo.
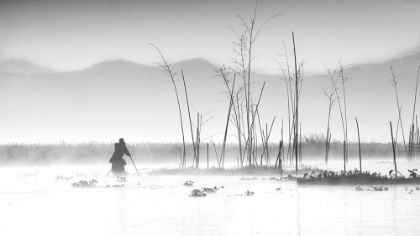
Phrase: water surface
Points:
(33, 202)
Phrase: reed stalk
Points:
(394, 83)
(165, 65)
(393, 151)
(360, 150)
(296, 104)
(189, 115)
(207, 145)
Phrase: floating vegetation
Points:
(211, 190)
(247, 193)
(189, 183)
(60, 177)
(198, 193)
(155, 187)
(355, 178)
(121, 179)
(413, 173)
(115, 186)
(412, 190)
(28, 174)
(372, 188)
(85, 184)
(253, 178)
(289, 177)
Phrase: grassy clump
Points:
(354, 178)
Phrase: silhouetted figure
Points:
(117, 161)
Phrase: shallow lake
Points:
(34, 202)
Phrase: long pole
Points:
(134, 165)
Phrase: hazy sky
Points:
(68, 35)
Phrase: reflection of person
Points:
(117, 161)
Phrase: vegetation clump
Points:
(60, 177)
(289, 177)
(247, 193)
(85, 184)
(121, 179)
(211, 190)
(355, 177)
(115, 186)
(372, 188)
(198, 193)
(412, 191)
(189, 183)
(24, 175)
(253, 178)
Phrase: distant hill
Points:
(121, 98)
(22, 67)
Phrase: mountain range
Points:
(22, 67)
(121, 98)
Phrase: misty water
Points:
(34, 202)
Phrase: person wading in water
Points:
(117, 161)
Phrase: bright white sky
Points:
(71, 35)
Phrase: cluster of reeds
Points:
(335, 76)
(354, 177)
(243, 108)
(414, 134)
(293, 82)
(412, 151)
(241, 101)
(196, 141)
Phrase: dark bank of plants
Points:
(313, 149)
(356, 177)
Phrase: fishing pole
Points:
(134, 166)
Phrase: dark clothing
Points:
(117, 161)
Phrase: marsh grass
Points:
(313, 148)
(354, 178)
